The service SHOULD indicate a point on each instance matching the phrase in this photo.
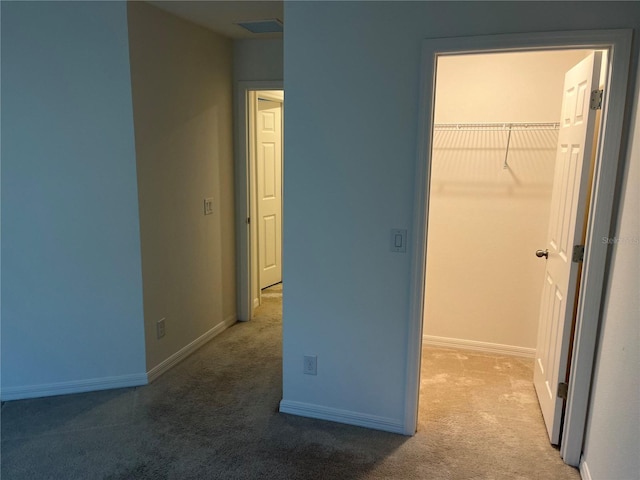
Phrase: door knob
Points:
(542, 253)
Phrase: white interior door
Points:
(566, 229)
(269, 180)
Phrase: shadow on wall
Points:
(472, 162)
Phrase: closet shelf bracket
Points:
(506, 152)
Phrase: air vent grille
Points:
(263, 26)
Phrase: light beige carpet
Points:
(214, 416)
(484, 407)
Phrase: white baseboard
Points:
(341, 416)
(584, 470)
(187, 350)
(75, 386)
(486, 347)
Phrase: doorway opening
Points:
(496, 136)
(266, 127)
(616, 44)
(259, 192)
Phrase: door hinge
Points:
(578, 253)
(596, 100)
(248, 220)
(563, 390)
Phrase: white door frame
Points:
(243, 191)
(267, 95)
(618, 45)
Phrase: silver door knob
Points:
(542, 253)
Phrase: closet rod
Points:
(521, 126)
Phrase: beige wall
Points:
(182, 98)
(485, 222)
(257, 59)
(514, 87)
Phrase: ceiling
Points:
(222, 16)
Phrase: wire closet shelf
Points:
(497, 127)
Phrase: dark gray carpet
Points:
(215, 416)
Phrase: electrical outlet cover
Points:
(160, 328)
(310, 366)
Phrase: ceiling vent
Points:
(263, 26)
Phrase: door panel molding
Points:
(617, 43)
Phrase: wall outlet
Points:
(208, 206)
(160, 328)
(310, 366)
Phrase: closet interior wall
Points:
(485, 222)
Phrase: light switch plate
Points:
(398, 240)
(208, 206)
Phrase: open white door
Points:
(269, 179)
(566, 229)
